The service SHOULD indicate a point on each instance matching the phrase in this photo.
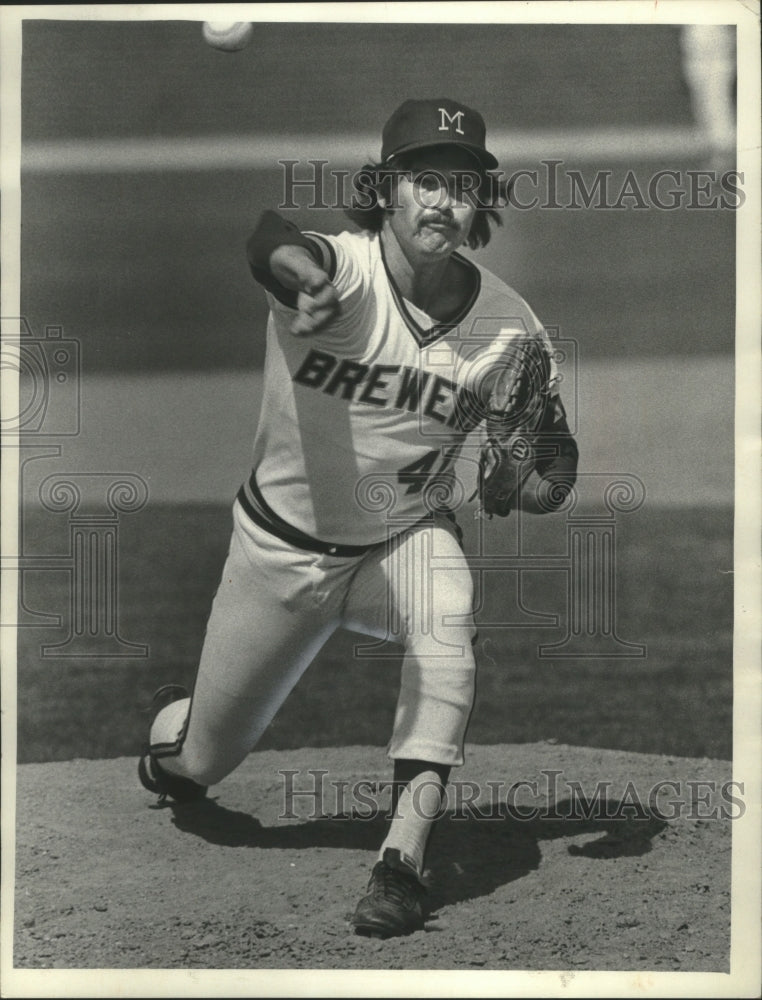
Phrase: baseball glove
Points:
(517, 401)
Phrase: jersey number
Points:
(416, 475)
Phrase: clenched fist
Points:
(317, 301)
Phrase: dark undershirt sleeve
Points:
(273, 231)
(558, 447)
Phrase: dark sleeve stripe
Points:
(329, 262)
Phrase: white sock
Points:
(416, 812)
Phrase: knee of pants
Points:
(438, 685)
(204, 753)
(433, 709)
(450, 679)
(208, 765)
(207, 757)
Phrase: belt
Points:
(250, 498)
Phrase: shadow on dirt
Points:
(471, 853)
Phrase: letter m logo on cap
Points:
(446, 120)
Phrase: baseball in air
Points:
(228, 36)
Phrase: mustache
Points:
(442, 218)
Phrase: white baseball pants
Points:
(275, 608)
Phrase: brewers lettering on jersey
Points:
(387, 345)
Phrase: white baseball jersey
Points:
(358, 418)
(357, 421)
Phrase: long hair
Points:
(378, 180)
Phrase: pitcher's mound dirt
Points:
(600, 860)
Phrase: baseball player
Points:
(386, 347)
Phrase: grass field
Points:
(674, 593)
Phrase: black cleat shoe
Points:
(396, 901)
(152, 775)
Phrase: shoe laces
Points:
(394, 885)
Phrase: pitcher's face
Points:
(435, 202)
